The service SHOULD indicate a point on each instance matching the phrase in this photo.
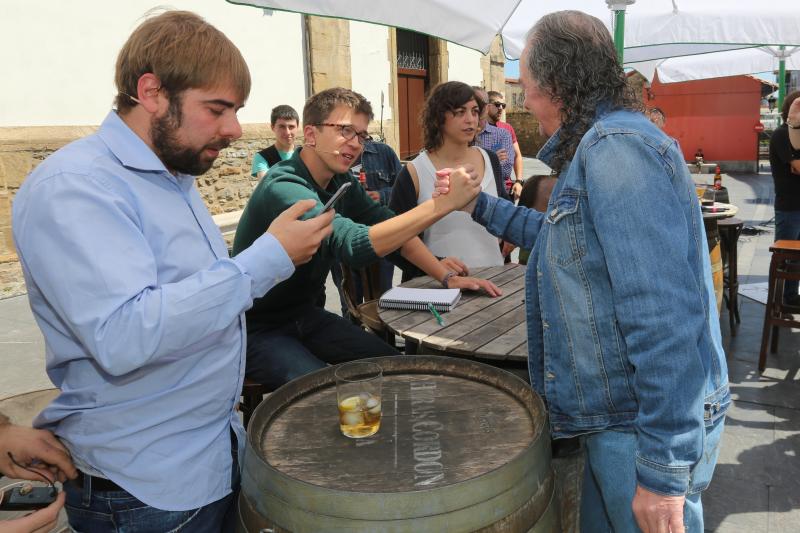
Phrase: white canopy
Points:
(717, 65)
(654, 29)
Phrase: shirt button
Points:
(550, 375)
(545, 325)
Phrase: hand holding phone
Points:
(27, 498)
(336, 197)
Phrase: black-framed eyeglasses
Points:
(348, 132)
(499, 105)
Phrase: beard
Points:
(176, 156)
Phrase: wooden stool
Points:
(780, 270)
(252, 395)
(729, 231)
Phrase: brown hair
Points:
(184, 52)
(787, 103)
(445, 97)
(320, 105)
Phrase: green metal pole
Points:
(619, 33)
(781, 79)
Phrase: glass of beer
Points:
(358, 393)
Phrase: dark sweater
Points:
(787, 185)
(286, 183)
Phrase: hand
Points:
(41, 521)
(301, 238)
(460, 188)
(508, 248)
(516, 190)
(36, 449)
(375, 195)
(502, 155)
(474, 284)
(658, 514)
(454, 264)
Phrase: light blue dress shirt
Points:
(143, 316)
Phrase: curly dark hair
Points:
(572, 58)
(444, 97)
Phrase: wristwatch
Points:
(446, 279)
(520, 181)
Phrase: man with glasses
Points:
(288, 335)
(495, 109)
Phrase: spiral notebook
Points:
(418, 299)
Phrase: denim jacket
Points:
(381, 166)
(623, 329)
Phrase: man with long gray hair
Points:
(623, 331)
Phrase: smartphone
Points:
(336, 196)
(27, 498)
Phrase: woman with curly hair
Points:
(450, 121)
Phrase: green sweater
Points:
(286, 183)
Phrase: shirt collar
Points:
(129, 148)
(370, 147)
(547, 152)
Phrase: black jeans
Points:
(278, 353)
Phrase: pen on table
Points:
(436, 314)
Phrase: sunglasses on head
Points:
(499, 105)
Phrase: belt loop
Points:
(87, 490)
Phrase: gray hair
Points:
(572, 58)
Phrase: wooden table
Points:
(492, 330)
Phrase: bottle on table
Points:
(717, 178)
(362, 178)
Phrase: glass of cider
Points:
(358, 392)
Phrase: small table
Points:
(492, 330)
(710, 219)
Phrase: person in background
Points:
(784, 160)
(41, 454)
(141, 309)
(620, 302)
(657, 117)
(496, 140)
(284, 123)
(495, 109)
(450, 117)
(288, 335)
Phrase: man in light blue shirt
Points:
(129, 279)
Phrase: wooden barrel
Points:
(462, 446)
(716, 273)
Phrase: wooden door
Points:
(411, 92)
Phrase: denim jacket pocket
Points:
(379, 179)
(565, 243)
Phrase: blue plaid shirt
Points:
(493, 139)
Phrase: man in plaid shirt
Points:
(497, 140)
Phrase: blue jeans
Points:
(278, 353)
(93, 511)
(787, 227)
(610, 482)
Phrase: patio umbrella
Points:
(653, 29)
(470, 23)
(726, 37)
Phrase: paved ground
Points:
(757, 484)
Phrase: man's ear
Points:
(148, 90)
(309, 134)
